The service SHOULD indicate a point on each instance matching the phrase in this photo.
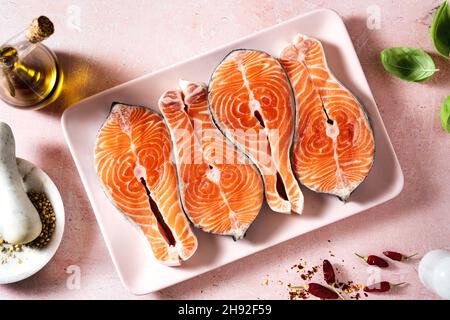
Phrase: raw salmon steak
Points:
(252, 103)
(221, 191)
(133, 162)
(334, 144)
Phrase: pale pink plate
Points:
(131, 253)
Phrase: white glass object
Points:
(434, 272)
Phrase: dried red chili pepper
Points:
(383, 286)
(397, 256)
(374, 261)
(328, 272)
(321, 292)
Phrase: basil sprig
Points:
(440, 30)
(409, 64)
(445, 115)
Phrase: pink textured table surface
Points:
(104, 43)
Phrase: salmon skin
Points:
(133, 161)
(334, 145)
(221, 190)
(252, 103)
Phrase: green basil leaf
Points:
(440, 30)
(445, 115)
(409, 64)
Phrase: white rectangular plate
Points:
(131, 253)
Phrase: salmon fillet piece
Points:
(252, 103)
(133, 162)
(221, 190)
(334, 145)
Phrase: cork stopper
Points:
(40, 29)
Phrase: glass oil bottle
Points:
(30, 76)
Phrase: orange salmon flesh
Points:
(221, 190)
(252, 103)
(133, 162)
(334, 144)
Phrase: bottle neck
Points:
(19, 46)
(8, 57)
(15, 48)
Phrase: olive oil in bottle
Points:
(30, 76)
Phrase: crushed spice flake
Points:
(300, 266)
(309, 274)
(265, 282)
(349, 289)
(356, 296)
(297, 293)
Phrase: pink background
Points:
(104, 43)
